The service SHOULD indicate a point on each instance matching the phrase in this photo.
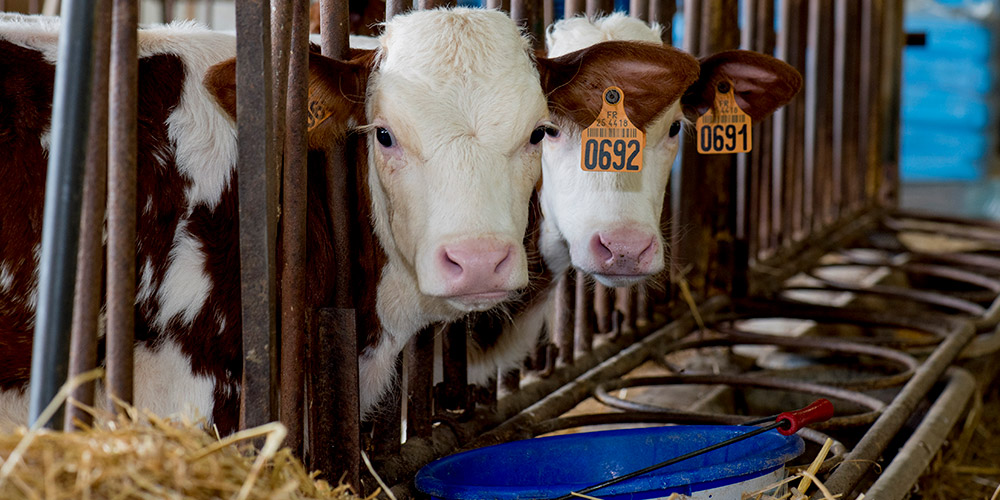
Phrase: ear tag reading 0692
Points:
(612, 143)
(729, 131)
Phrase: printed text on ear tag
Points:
(725, 128)
(612, 143)
(317, 112)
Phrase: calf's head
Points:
(608, 223)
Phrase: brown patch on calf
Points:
(652, 77)
(762, 83)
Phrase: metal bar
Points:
(330, 411)
(548, 13)
(662, 12)
(639, 9)
(625, 305)
(334, 413)
(420, 381)
(602, 307)
(168, 11)
(573, 8)
(387, 422)
(857, 462)
(257, 211)
(498, 4)
(454, 394)
(896, 481)
(293, 232)
(83, 349)
(122, 159)
(61, 223)
(564, 303)
(868, 121)
(839, 154)
(393, 7)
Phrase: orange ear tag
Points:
(612, 143)
(729, 131)
(317, 113)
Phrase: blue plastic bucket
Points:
(550, 467)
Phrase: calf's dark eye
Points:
(537, 135)
(384, 137)
(675, 128)
(552, 132)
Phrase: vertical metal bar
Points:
(839, 155)
(122, 132)
(573, 8)
(168, 11)
(893, 50)
(293, 232)
(420, 381)
(583, 329)
(281, 32)
(387, 423)
(34, 6)
(61, 223)
(257, 210)
(498, 4)
(334, 418)
(639, 9)
(868, 101)
(662, 12)
(602, 307)
(83, 351)
(548, 13)
(393, 7)
(563, 303)
(641, 305)
(454, 393)
(625, 305)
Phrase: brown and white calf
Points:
(450, 111)
(607, 224)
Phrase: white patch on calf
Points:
(13, 409)
(145, 283)
(185, 285)
(165, 384)
(6, 277)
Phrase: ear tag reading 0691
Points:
(612, 143)
(730, 130)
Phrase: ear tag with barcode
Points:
(318, 112)
(612, 143)
(725, 128)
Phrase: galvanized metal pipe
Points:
(90, 260)
(857, 462)
(293, 232)
(63, 192)
(122, 160)
(910, 462)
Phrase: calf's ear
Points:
(762, 83)
(652, 76)
(336, 92)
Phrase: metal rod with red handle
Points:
(787, 423)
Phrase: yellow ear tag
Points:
(612, 143)
(728, 131)
(317, 112)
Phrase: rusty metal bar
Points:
(420, 380)
(583, 329)
(603, 307)
(334, 413)
(83, 347)
(573, 8)
(564, 303)
(257, 211)
(639, 9)
(387, 422)
(453, 393)
(293, 232)
(393, 7)
(867, 99)
(61, 222)
(122, 159)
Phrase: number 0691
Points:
(724, 139)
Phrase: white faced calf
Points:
(607, 224)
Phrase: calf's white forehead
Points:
(444, 74)
(577, 33)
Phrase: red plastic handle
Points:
(819, 411)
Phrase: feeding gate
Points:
(789, 267)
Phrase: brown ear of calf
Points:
(651, 76)
(337, 87)
(762, 83)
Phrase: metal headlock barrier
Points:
(819, 190)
